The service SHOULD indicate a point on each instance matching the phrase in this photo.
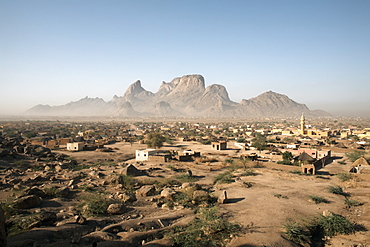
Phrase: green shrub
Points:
(296, 232)
(248, 172)
(186, 178)
(208, 229)
(128, 182)
(344, 176)
(54, 192)
(336, 224)
(224, 178)
(336, 190)
(229, 161)
(161, 183)
(314, 230)
(296, 172)
(318, 199)
(285, 162)
(351, 203)
(94, 204)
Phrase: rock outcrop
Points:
(183, 96)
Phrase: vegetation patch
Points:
(94, 204)
(248, 172)
(351, 203)
(128, 182)
(314, 231)
(318, 199)
(186, 178)
(224, 178)
(343, 177)
(208, 229)
(337, 190)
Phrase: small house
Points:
(75, 146)
(143, 154)
(221, 145)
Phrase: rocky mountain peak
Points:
(189, 83)
(134, 88)
(183, 96)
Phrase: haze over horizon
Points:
(315, 52)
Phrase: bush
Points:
(186, 178)
(95, 204)
(336, 190)
(296, 232)
(314, 230)
(248, 172)
(208, 229)
(128, 182)
(344, 176)
(318, 199)
(285, 162)
(336, 224)
(351, 203)
(224, 178)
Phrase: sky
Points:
(315, 52)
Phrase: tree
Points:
(155, 140)
(259, 142)
(355, 155)
(288, 156)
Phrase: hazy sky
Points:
(315, 52)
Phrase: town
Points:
(128, 182)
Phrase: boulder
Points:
(146, 190)
(127, 197)
(63, 192)
(167, 193)
(80, 219)
(116, 208)
(44, 219)
(222, 198)
(27, 202)
(35, 191)
(131, 170)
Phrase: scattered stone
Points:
(44, 219)
(116, 208)
(70, 183)
(222, 199)
(35, 191)
(80, 219)
(27, 202)
(327, 213)
(167, 193)
(189, 173)
(163, 223)
(63, 192)
(146, 190)
(127, 197)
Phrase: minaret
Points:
(303, 124)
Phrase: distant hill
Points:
(184, 96)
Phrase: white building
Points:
(143, 154)
(75, 146)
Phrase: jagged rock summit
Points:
(185, 96)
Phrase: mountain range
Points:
(184, 96)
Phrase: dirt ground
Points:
(262, 209)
